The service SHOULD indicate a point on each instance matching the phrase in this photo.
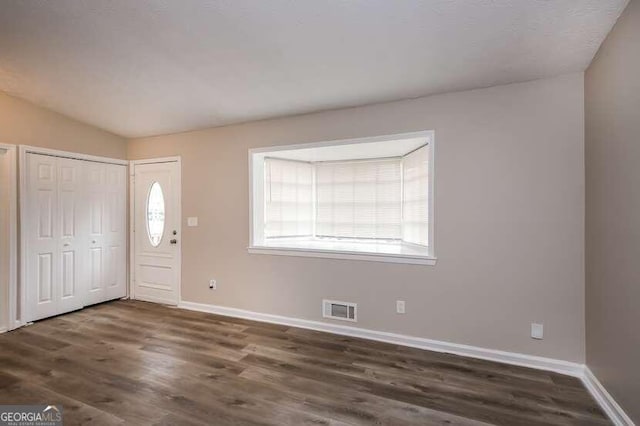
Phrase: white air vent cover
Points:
(336, 309)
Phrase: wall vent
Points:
(336, 309)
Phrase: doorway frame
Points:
(23, 150)
(12, 301)
(132, 240)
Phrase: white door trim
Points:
(23, 150)
(132, 239)
(132, 217)
(177, 159)
(13, 237)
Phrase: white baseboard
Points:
(541, 363)
(152, 299)
(606, 401)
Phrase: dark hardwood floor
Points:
(136, 363)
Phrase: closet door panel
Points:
(95, 271)
(42, 238)
(45, 279)
(95, 191)
(116, 233)
(44, 201)
(69, 275)
(70, 213)
(95, 197)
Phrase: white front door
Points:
(157, 232)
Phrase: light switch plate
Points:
(537, 330)
(192, 221)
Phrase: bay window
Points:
(368, 199)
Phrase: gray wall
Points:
(23, 123)
(612, 108)
(509, 220)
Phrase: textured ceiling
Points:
(143, 67)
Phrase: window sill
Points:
(282, 250)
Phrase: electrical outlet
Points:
(537, 331)
(192, 221)
(213, 285)
(400, 307)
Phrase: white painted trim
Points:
(132, 244)
(13, 238)
(168, 302)
(540, 363)
(366, 139)
(132, 235)
(179, 226)
(74, 155)
(176, 158)
(13, 242)
(344, 255)
(22, 184)
(606, 401)
(251, 199)
(432, 195)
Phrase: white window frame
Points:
(256, 205)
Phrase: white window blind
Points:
(359, 199)
(415, 200)
(288, 198)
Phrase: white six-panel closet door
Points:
(75, 234)
(106, 249)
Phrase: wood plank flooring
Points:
(128, 362)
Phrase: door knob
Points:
(174, 241)
(93, 241)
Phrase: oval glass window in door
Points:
(155, 214)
